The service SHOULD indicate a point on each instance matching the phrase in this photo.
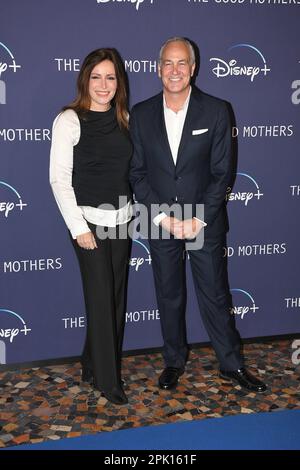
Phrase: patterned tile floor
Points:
(51, 403)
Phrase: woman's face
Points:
(102, 85)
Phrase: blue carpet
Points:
(261, 431)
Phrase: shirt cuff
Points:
(159, 218)
(204, 224)
(79, 230)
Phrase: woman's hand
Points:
(87, 241)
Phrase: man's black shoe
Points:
(244, 379)
(169, 377)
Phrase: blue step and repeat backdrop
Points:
(250, 56)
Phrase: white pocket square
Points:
(199, 131)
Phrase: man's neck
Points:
(175, 101)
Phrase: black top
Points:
(101, 160)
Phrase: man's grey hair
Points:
(178, 39)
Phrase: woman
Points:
(89, 163)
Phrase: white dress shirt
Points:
(174, 125)
(65, 135)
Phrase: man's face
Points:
(176, 69)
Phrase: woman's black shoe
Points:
(118, 397)
(87, 375)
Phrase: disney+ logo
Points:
(7, 206)
(225, 68)
(137, 3)
(7, 61)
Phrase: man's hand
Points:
(172, 225)
(191, 228)
(87, 241)
(187, 229)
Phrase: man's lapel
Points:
(192, 115)
(161, 131)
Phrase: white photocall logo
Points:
(244, 196)
(137, 262)
(136, 3)
(7, 62)
(231, 67)
(244, 303)
(10, 327)
(8, 205)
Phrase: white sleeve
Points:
(66, 134)
(157, 220)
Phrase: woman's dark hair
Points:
(82, 101)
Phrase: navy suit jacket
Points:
(204, 164)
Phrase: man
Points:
(182, 140)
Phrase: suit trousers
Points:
(209, 270)
(104, 276)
